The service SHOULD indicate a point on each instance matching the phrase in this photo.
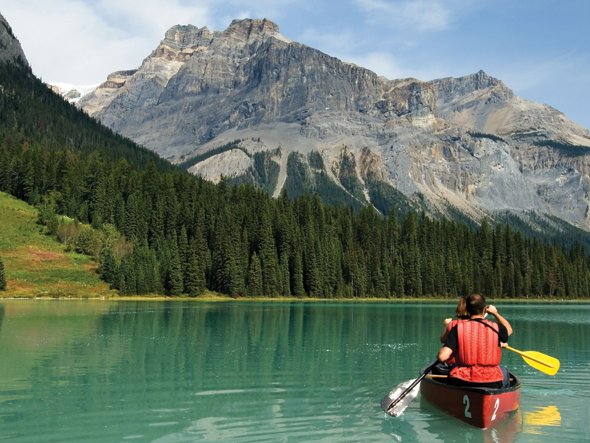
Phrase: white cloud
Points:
(151, 14)
(386, 65)
(96, 37)
(421, 15)
(270, 9)
(529, 74)
(330, 43)
(93, 38)
(381, 63)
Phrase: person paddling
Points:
(460, 314)
(477, 346)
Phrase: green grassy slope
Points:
(36, 264)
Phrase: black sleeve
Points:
(502, 333)
(452, 340)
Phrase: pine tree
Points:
(224, 272)
(254, 287)
(202, 256)
(127, 277)
(174, 278)
(108, 267)
(296, 265)
(194, 278)
(2, 276)
(268, 257)
(411, 257)
(285, 275)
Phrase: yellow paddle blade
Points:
(542, 362)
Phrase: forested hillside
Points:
(161, 230)
(33, 115)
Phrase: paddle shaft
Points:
(412, 386)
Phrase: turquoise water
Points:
(73, 371)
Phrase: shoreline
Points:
(213, 297)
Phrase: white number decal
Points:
(466, 403)
(496, 406)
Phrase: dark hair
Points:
(476, 304)
(461, 309)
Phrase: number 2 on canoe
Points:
(496, 406)
(466, 403)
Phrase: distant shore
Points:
(214, 297)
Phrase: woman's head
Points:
(461, 309)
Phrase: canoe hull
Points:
(480, 407)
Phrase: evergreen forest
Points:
(158, 230)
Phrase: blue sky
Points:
(539, 48)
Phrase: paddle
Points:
(544, 363)
(396, 402)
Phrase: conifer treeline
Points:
(160, 230)
(185, 234)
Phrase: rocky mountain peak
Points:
(451, 87)
(482, 80)
(182, 41)
(180, 37)
(251, 28)
(10, 48)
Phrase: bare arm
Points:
(491, 309)
(444, 354)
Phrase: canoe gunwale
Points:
(483, 390)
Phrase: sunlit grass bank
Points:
(36, 264)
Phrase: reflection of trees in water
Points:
(2, 313)
(148, 356)
(209, 341)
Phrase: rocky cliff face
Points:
(250, 104)
(10, 49)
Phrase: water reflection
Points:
(507, 431)
(437, 426)
(540, 417)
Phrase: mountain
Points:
(10, 49)
(249, 104)
(72, 93)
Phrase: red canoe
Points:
(480, 407)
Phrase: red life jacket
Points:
(479, 353)
(452, 324)
(452, 361)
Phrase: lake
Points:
(98, 371)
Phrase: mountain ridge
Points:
(467, 143)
